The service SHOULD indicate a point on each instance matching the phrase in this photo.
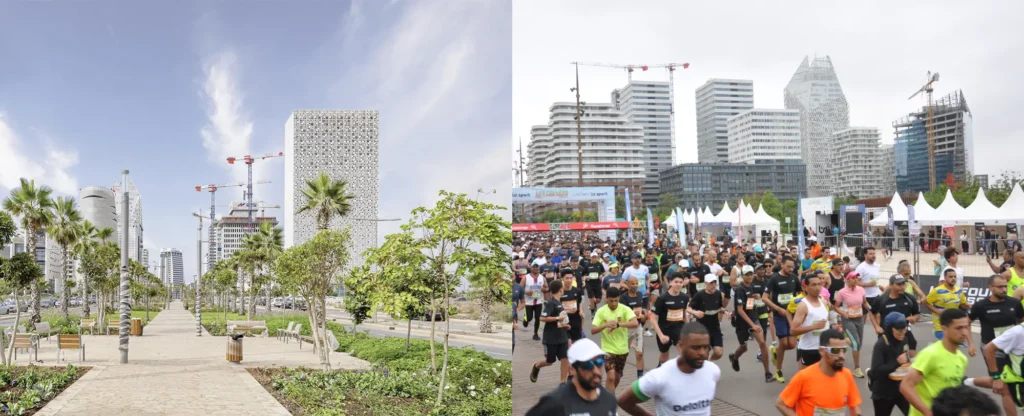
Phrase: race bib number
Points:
(1000, 330)
(653, 278)
(537, 294)
(675, 315)
(785, 298)
(820, 411)
(854, 312)
(569, 306)
(701, 286)
(759, 303)
(750, 304)
(593, 276)
(523, 271)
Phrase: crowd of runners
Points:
(814, 306)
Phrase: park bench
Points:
(43, 328)
(113, 324)
(27, 342)
(282, 331)
(247, 326)
(70, 342)
(87, 325)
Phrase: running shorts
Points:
(594, 289)
(673, 338)
(1016, 393)
(808, 357)
(636, 339)
(555, 352)
(616, 363)
(781, 326)
(716, 338)
(745, 333)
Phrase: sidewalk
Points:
(172, 371)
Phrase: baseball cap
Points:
(893, 319)
(613, 265)
(758, 266)
(584, 350)
(710, 277)
(852, 275)
(636, 256)
(747, 269)
(897, 279)
(758, 249)
(607, 255)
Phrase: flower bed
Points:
(26, 390)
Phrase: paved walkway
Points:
(172, 371)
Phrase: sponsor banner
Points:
(571, 226)
(808, 206)
(525, 228)
(563, 194)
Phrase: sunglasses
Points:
(590, 365)
(835, 350)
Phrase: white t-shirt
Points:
(869, 273)
(677, 393)
(1011, 341)
(641, 276)
(535, 284)
(715, 268)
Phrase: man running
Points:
(763, 312)
(556, 340)
(747, 322)
(811, 318)
(708, 307)
(584, 395)
(1014, 275)
(669, 314)
(572, 300)
(612, 279)
(782, 288)
(938, 366)
(947, 296)
(595, 270)
(1003, 357)
(997, 316)
(634, 300)
(827, 388)
(896, 300)
(613, 322)
(869, 272)
(534, 285)
(686, 387)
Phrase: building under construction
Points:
(953, 144)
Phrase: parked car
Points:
(75, 302)
(47, 303)
(7, 308)
(438, 315)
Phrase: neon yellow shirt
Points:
(614, 341)
(1015, 281)
(941, 369)
(942, 298)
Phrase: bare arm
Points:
(910, 393)
(995, 269)
(633, 323)
(631, 404)
(783, 409)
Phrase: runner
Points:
(827, 388)
(642, 274)
(572, 300)
(781, 289)
(763, 312)
(613, 321)
(1014, 275)
(534, 285)
(556, 340)
(947, 296)
(584, 395)
(850, 305)
(612, 279)
(890, 360)
(577, 273)
(1006, 377)
(686, 388)
(708, 307)
(669, 315)
(746, 319)
(811, 318)
(996, 316)
(632, 299)
(595, 270)
(869, 273)
(897, 300)
(938, 366)
(654, 282)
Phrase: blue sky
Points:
(168, 90)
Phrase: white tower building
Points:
(648, 104)
(764, 134)
(134, 219)
(229, 230)
(717, 101)
(171, 269)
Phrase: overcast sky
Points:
(881, 50)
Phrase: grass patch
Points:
(216, 325)
(25, 390)
(71, 325)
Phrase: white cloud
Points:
(228, 132)
(16, 162)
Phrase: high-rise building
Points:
(764, 134)
(229, 230)
(171, 269)
(815, 91)
(982, 181)
(342, 143)
(888, 168)
(953, 144)
(857, 160)
(134, 219)
(96, 204)
(717, 101)
(613, 153)
(648, 104)
(17, 246)
(699, 185)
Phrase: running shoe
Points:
(648, 333)
(536, 337)
(779, 377)
(857, 373)
(768, 378)
(526, 324)
(534, 372)
(759, 356)
(771, 351)
(735, 362)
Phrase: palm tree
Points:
(65, 230)
(326, 198)
(34, 206)
(260, 250)
(90, 239)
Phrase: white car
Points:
(7, 308)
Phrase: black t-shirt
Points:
(740, 295)
(636, 303)
(567, 396)
(905, 304)
(836, 286)
(757, 290)
(699, 272)
(573, 294)
(710, 304)
(595, 268)
(652, 267)
(548, 267)
(781, 286)
(552, 333)
(671, 307)
(996, 315)
(1006, 265)
(610, 280)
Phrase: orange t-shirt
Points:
(815, 251)
(811, 389)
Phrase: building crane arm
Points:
(248, 159)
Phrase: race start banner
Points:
(571, 226)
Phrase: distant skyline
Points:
(169, 90)
(881, 51)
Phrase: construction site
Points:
(948, 150)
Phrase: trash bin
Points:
(234, 352)
(136, 328)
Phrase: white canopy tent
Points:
(899, 212)
(1013, 209)
(947, 213)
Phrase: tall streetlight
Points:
(199, 272)
(126, 310)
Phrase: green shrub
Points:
(23, 389)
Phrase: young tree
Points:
(65, 230)
(20, 272)
(667, 202)
(770, 205)
(34, 206)
(357, 301)
(311, 269)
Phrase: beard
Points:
(1002, 296)
(837, 365)
(588, 384)
(695, 363)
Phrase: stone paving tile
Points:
(172, 371)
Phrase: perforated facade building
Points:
(815, 91)
(342, 143)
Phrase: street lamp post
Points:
(199, 271)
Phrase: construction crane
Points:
(930, 127)
(263, 207)
(213, 201)
(249, 159)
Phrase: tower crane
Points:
(249, 159)
(262, 206)
(930, 127)
(213, 201)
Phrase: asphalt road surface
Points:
(745, 389)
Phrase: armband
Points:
(995, 374)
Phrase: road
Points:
(463, 334)
(745, 389)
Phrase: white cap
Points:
(710, 277)
(583, 350)
(747, 269)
